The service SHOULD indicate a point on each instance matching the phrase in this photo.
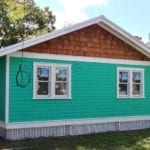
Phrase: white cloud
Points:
(81, 3)
(73, 11)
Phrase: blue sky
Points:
(132, 15)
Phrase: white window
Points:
(61, 80)
(130, 83)
(43, 78)
(52, 81)
(123, 83)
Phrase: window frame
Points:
(55, 81)
(52, 67)
(128, 83)
(42, 81)
(130, 94)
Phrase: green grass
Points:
(130, 140)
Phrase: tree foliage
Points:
(23, 19)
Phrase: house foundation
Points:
(69, 130)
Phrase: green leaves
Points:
(23, 19)
(15, 10)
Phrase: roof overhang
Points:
(101, 21)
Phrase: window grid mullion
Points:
(61, 81)
(42, 81)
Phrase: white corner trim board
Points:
(7, 90)
(35, 124)
(80, 58)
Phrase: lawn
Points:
(129, 140)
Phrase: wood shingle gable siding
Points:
(92, 41)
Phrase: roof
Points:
(148, 44)
(100, 20)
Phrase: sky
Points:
(131, 15)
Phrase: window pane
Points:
(42, 88)
(123, 89)
(43, 73)
(136, 77)
(61, 88)
(61, 74)
(136, 89)
(123, 76)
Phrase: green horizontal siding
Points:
(93, 94)
(2, 88)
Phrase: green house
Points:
(85, 78)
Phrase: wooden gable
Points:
(92, 41)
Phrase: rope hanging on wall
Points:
(23, 78)
(20, 77)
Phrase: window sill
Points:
(52, 98)
(123, 97)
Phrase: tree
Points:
(23, 19)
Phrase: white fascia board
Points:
(125, 36)
(49, 36)
(101, 20)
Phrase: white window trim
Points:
(52, 66)
(131, 70)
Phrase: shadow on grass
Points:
(129, 140)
